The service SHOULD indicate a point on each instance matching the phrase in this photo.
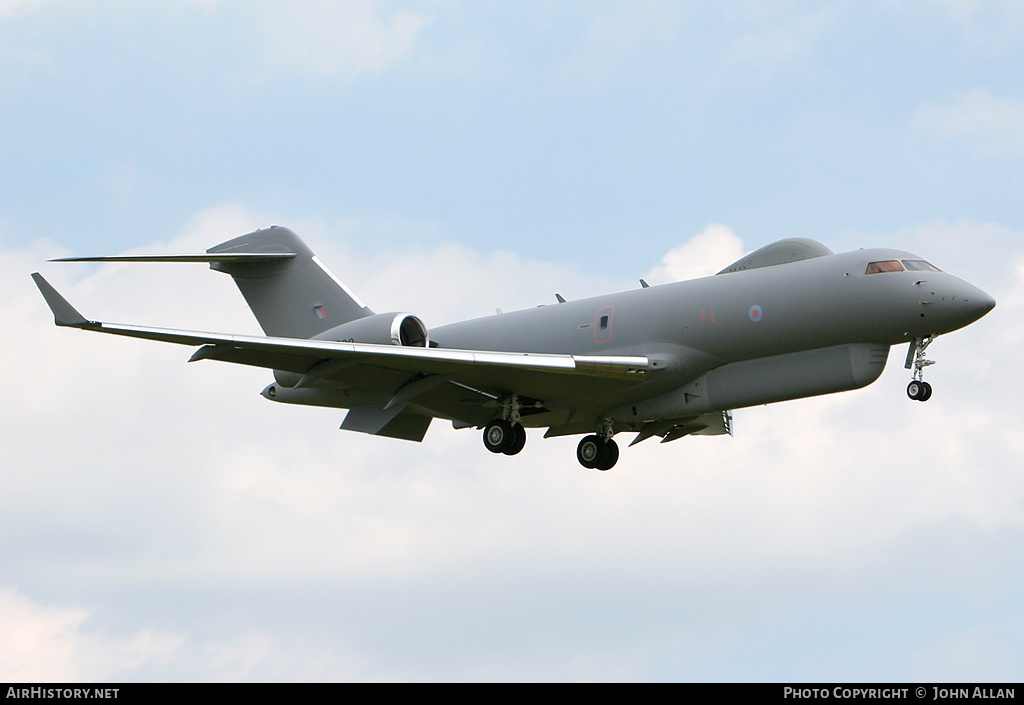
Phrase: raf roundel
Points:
(756, 314)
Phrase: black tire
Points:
(519, 440)
(591, 452)
(926, 392)
(915, 389)
(611, 455)
(498, 436)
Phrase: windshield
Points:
(919, 265)
(892, 265)
(895, 265)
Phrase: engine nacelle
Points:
(382, 329)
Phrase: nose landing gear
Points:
(918, 389)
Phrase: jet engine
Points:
(382, 329)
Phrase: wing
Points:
(457, 384)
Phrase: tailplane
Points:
(290, 291)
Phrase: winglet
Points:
(64, 314)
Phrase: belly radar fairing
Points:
(790, 320)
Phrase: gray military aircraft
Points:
(790, 320)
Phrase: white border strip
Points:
(318, 263)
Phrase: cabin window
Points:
(919, 265)
(604, 322)
(891, 265)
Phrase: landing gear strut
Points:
(506, 435)
(918, 389)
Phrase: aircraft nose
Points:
(973, 302)
(954, 303)
(979, 302)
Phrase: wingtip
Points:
(64, 314)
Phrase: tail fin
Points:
(296, 297)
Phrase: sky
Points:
(163, 522)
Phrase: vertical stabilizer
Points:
(291, 298)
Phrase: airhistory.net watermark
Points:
(62, 693)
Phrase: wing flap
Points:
(308, 352)
(434, 360)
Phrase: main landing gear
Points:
(599, 451)
(501, 436)
(506, 435)
(918, 389)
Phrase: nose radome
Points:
(977, 301)
(985, 303)
(981, 300)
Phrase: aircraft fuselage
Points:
(690, 328)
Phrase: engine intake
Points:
(381, 329)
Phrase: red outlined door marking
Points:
(603, 324)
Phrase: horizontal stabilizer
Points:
(289, 290)
(233, 258)
(64, 314)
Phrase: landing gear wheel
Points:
(499, 436)
(590, 452)
(927, 393)
(919, 391)
(596, 453)
(611, 455)
(519, 440)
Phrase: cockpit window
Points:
(919, 265)
(891, 265)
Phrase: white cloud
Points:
(755, 40)
(123, 465)
(340, 39)
(990, 25)
(12, 7)
(992, 124)
(709, 251)
(49, 644)
(780, 34)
